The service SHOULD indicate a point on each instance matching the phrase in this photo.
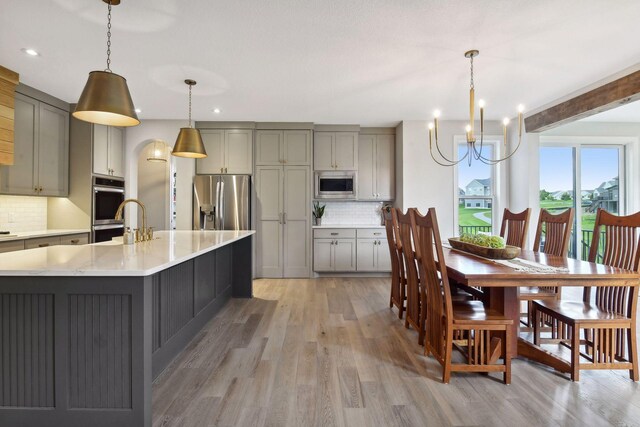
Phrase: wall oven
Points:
(108, 193)
(335, 185)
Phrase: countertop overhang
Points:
(168, 248)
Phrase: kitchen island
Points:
(84, 330)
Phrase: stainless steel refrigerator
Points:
(222, 202)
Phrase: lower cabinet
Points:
(43, 242)
(350, 249)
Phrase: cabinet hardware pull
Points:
(377, 234)
(284, 218)
(221, 170)
(335, 234)
(43, 245)
(336, 243)
(75, 241)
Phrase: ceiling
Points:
(371, 62)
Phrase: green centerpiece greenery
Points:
(483, 240)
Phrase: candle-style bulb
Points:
(436, 114)
(505, 121)
(520, 108)
(467, 128)
(430, 126)
(481, 103)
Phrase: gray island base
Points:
(84, 333)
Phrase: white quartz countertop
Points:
(40, 233)
(140, 259)
(349, 226)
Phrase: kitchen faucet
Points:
(146, 234)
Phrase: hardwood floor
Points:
(331, 352)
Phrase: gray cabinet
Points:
(41, 159)
(229, 151)
(373, 250)
(334, 250)
(335, 151)
(45, 241)
(376, 167)
(283, 216)
(108, 151)
(283, 147)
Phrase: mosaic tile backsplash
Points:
(23, 213)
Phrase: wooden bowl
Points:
(508, 252)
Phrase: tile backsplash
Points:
(23, 213)
(357, 213)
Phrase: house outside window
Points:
(476, 193)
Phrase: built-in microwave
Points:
(335, 185)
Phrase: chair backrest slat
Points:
(556, 230)
(408, 254)
(515, 227)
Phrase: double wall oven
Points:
(108, 193)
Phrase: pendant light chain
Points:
(190, 86)
(109, 39)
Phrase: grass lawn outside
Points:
(555, 206)
(466, 218)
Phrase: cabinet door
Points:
(11, 246)
(269, 217)
(323, 255)
(346, 151)
(383, 257)
(366, 168)
(116, 151)
(269, 147)
(344, 255)
(366, 254)
(297, 211)
(214, 145)
(297, 147)
(385, 167)
(20, 178)
(53, 151)
(239, 151)
(323, 150)
(101, 149)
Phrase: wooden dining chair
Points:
(515, 227)
(556, 230)
(482, 335)
(609, 319)
(413, 291)
(398, 279)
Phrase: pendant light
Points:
(157, 152)
(189, 142)
(106, 99)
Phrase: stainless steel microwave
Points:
(335, 185)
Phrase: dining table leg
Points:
(505, 301)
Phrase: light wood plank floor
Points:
(331, 352)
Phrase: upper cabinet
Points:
(335, 151)
(376, 165)
(108, 151)
(41, 157)
(229, 151)
(283, 147)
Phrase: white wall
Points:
(423, 183)
(136, 139)
(154, 184)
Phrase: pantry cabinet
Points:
(229, 151)
(376, 167)
(335, 151)
(283, 147)
(108, 151)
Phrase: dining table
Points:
(501, 280)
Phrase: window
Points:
(475, 192)
(585, 177)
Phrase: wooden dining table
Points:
(501, 283)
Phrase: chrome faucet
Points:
(145, 233)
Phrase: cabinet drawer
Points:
(74, 239)
(371, 233)
(14, 245)
(334, 233)
(42, 242)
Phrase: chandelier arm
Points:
(442, 155)
(450, 162)
(494, 162)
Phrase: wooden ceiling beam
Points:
(611, 95)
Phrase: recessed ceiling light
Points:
(138, 110)
(216, 110)
(30, 52)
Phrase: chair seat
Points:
(535, 292)
(474, 312)
(578, 311)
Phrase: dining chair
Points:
(556, 231)
(515, 227)
(398, 279)
(482, 335)
(609, 319)
(408, 255)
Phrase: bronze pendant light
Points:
(189, 142)
(106, 99)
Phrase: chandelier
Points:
(474, 147)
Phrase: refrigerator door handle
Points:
(221, 205)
